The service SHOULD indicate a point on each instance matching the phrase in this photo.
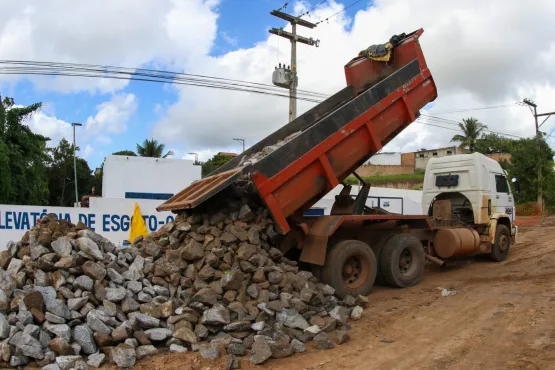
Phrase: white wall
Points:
(146, 175)
(385, 159)
(401, 201)
(108, 217)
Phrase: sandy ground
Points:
(502, 317)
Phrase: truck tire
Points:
(502, 244)
(350, 268)
(377, 249)
(402, 261)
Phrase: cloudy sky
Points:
(482, 53)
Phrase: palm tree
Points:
(152, 148)
(472, 128)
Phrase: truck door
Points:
(503, 199)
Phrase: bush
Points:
(526, 209)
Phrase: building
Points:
(385, 159)
(422, 156)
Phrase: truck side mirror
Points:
(517, 184)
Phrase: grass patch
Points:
(404, 177)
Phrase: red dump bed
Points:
(336, 136)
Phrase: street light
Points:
(75, 162)
(196, 157)
(241, 141)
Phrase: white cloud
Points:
(112, 116)
(88, 151)
(105, 32)
(229, 39)
(480, 53)
(49, 126)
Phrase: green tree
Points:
(23, 156)
(472, 129)
(525, 159)
(61, 177)
(493, 143)
(214, 163)
(152, 148)
(129, 153)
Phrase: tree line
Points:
(526, 157)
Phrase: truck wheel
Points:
(377, 249)
(402, 261)
(350, 268)
(502, 244)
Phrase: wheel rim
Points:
(355, 271)
(503, 244)
(406, 262)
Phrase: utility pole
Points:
(288, 77)
(241, 141)
(75, 162)
(539, 141)
(196, 158)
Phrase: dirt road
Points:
(502, 317)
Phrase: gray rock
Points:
(158, 334)
(14, 266)
(32, 330)
(110, 308)
(83, 335)
(257, 326)
(121, 332)
(143, 297)
(238, 326)
(124, 355)
(84, 282)
(186, 335)
(135, 286)
(340, 313)
(144, 351)
(28, 346)
(260, 351)
(115, 276)
(206, 296)
(44, 338)
(76, 303)
(95, 270)
(238, 349)
(128, 304)
(177, 348)
(232, 280)
(96, 359)
(201, 331)
(59, 308)
(143, 321)
(192, 251)
(216, 315)
(115, 294)
(71, 362)
(25, 318)
(356, 313)
(298, 346)
(132, 342)
(63, 331)
(210, 352)
(314, 329)
(135, 270)
(292, 319)
(76, 347)
(90, 248)
(53, 366)
(38, 250)
(340, 336)
(62, 246)
(4, 327)
(253, 291)
(95, 322)
(327, 290)
(321, 341)
(18, 360)
(54, 319)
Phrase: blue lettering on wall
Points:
(105, 223)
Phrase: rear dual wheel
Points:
(402, 261)
(350, 268)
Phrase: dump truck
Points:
(298, 164)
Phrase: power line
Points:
(39, 66)
(474, 109)
(284, 5)
(341, 11)
(309, 11)
(453, 122)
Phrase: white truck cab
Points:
(476, 189)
